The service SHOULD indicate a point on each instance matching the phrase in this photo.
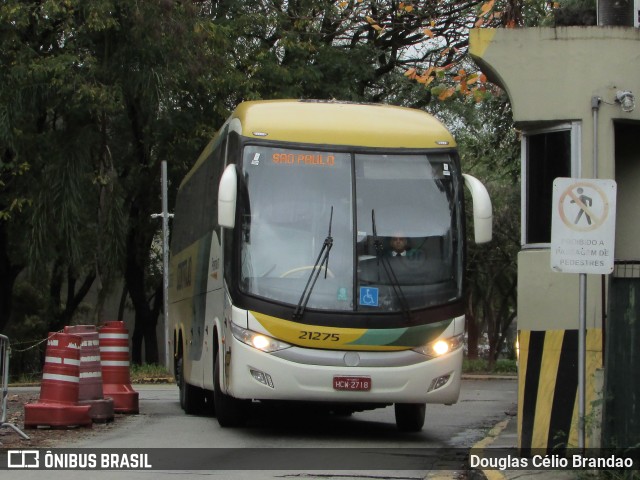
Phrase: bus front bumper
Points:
(253, 374)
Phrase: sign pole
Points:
(582, 360)
(582, 242)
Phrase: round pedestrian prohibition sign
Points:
(583, 207)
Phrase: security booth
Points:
(572, 91)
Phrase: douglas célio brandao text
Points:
(576, 461)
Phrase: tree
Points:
(159, 58)
(94, 95)
(36, 86)
(490, 149)
(351, 50)
(97, 93)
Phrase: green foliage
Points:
(482, 366)
(95, 95)
(575, 12)
(490, 150)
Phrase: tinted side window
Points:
(196, 211)
(187, 216)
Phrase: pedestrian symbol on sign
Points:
(585, 202)
(583, 206)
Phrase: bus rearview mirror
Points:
(482, 209)
(227, 195)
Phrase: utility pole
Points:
(165, 261)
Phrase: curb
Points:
(488, 440)
(487, 376)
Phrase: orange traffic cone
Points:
(90, 388)
(58, 402)
(114, 356)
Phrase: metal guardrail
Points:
(5, 350)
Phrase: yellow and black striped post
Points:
(548, 388)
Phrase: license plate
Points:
(360, 384)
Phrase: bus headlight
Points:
(257, 340)
(441, 346)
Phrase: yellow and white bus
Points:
(282, 282)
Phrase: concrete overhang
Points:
(552, 73)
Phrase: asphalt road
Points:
(295, 443)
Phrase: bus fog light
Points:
(439, 382)
(262, 377)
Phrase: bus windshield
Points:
(394, 228)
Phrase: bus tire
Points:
(230, 411)
(191, 398)
(410, 416)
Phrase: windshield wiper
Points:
(322, 260)
(391, 274)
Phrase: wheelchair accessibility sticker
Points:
(369, 296)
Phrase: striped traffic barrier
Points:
(90, 387)
(57, 405)
(114, 356)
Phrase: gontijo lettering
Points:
(320, 159)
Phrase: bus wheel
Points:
(410, 416)
(230, 411)
(190, 397)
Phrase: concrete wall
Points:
(551, 76)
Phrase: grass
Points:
(500, 367)
(149, 372)
(27, 379)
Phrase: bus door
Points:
(214, 308)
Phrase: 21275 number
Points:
(319, 336)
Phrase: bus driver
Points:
(400, 247)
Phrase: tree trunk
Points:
(8, 274)
(472, 330)
(472, 337)
(146, 316)
(140, 234)
(144, 321)
(62, 311)
(492, 328)
(144, 333)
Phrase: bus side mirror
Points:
(227, 195)
(482, 210)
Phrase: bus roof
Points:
(341, 123)
(325, 122)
